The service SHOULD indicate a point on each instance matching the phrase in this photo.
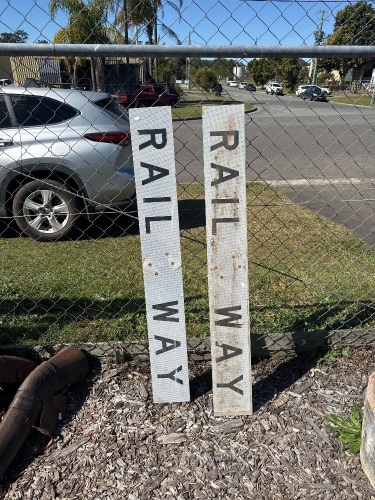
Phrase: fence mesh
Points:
(310, 165)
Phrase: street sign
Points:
(154, 165)
(227, 259)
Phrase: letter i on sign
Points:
(154, 166)
(227, 259)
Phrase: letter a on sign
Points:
(154, 166)
(227, 260)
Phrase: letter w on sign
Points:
(154, 165)
(227, 260)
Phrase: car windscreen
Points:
(111, 107)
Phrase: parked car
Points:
(148, 94)
(326, 90)
(63, 153)
(5, 81)
(300, 88)
(314, 93)
(232, 83)
(247, 86)
(274, 88)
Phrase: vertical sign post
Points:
(227, 260)
(154, 165)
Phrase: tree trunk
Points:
(99, 74)
(93, 75)
(126, 28)
(75, 70)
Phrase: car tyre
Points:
(45, 210)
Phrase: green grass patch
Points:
(351, 98)
(190, 106)
(305, 273)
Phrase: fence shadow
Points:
(267, 387)
(118, 224)
(281, 378)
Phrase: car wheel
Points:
(45, 210)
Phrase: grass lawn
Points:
(350, 98)
(190, 106)
(305, 273)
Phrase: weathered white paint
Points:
(227, 260)
(154, 165)
(367, 451)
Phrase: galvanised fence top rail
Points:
(241, 51)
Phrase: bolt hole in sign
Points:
(155, 176)
(227, 259)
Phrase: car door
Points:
(46, 139)
(10, 146)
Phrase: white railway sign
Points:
(154, 165)
(227, 260)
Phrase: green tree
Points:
(223, 68)
(86, 24)
(261, 70)
(289, 69)
(205, 78)
(171, 68)
(145, 15)
(19, 36)
(354, 25)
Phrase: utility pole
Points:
(319, 35)
(188, 62)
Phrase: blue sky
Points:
(204, 22)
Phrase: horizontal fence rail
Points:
(242, 51)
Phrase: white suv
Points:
(274, 88)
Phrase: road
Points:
(319, 154)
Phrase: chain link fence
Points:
(71, 260)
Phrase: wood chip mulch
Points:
(115, 443)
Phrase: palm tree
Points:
(86, 24)
(144, 13)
